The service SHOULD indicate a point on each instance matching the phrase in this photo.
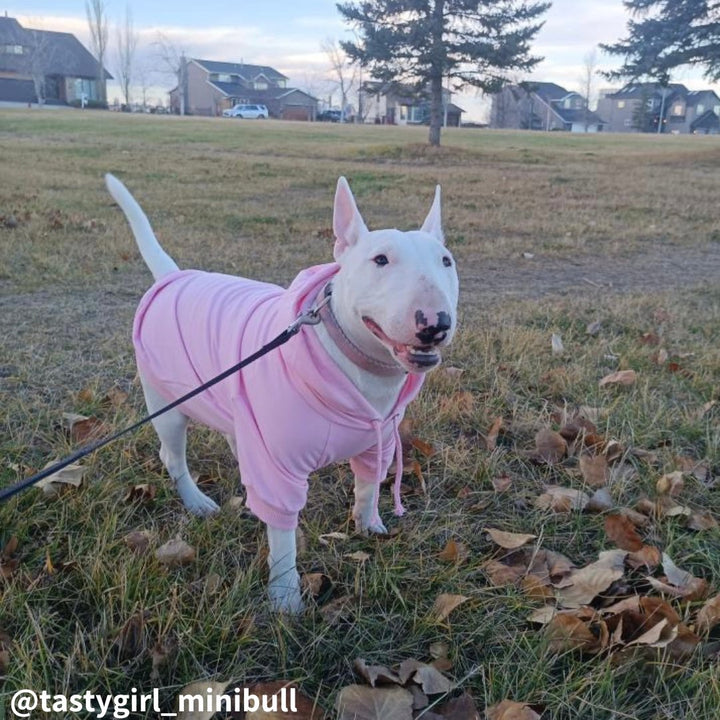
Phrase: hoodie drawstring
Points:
(399, 509)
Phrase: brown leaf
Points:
(492, 435)
(316, 584)
(566, 632)
(130, 641)
(508, 540)
(445, 603)
(175, 552)
(71, 475)
(144, 493)
(327, 537)
(278, 696)
(115, 397)
(583, 585)
(501, 483)
(620, 530)
(550, 447)
(621, 377)
(459, 708)
(684, 644)
(708, 616)
(359, 702)
(701, 521)
(679, 583)
(511, 710)
(594, 469)
(600, 501)
(671, 484)
(5, 645)
(373, 674)
(203, 689)
(358, 556)
(561, 500)
(647, 556)
(430, 679)
(501, 574)
(138, 541)
(82, 429)
(454, 552)
(9, 564)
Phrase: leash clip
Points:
(311, 316)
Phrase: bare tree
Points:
(173, 57)
(143, 74)
(587, 84)
(344, 72)
(39, 56)
(96, 11)
(127, 40)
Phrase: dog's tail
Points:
(159, 262)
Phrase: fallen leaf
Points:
(600, 501)
(683, 645)
(561, 499)
(373, 674)
(708, 616)
(340, 536)
(647, 556)
(660, 356)
(593, 328)
(650, 338)
(358, 556)
(338, 610)
(454, 552)
(203, 689)
(445, 604)
(508, 540)
(584, 585)
(566, 632)
(175, 552)
(701, 521)
(501, 574)
(315, 583)
(72, 475)
(235, 503)
(594, 469)
(359, 702)
(671, 484)
(459, 708)
(679, 583)
(501, 483)
(144, 493)
(130, 641)
(453, 372)
(138, 541)
(430, 679)
(621, 377)
(5, 645)
(493, 433)
(550, 447)
(82, 428)
(115, 397)
(620, 531)
(284, 690)
(511, 710)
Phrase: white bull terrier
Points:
(336, 390)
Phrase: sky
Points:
(288, 34)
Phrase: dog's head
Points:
(396, 291)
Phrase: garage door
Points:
(296, 112)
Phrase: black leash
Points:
(310, 317)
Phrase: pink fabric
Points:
(291, 412)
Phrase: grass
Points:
(255, 199)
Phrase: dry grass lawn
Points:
(622, 230)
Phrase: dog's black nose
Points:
(428, 334)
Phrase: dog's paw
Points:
(372, 525)
(286, 598)
(198, 503)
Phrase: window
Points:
(716, 109)
(700, 108)
(261, 85)
(621, 104)
(678, 109)
(403, 112)
(224, 77)
(85, 87)
(11, 49)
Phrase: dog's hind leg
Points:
(171, 428)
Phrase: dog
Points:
(338, 389)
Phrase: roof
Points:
(579, 116)
(547, 90)
(248, 72)
(707, 120)
(696, 96)
(636, 90)
(258, 96)
(60, 53)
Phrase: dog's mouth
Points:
(415, 358)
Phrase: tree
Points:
(175, 62)
(587, 84)
(471, 42)
(40, 53)
(96, 12)
(665, 34)
(127, 40)
(344, 74)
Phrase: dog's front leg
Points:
(364, 512)
(284, 585)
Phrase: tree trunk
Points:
(436, 110)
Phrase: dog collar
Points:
(346, 346)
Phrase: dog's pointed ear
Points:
(433, 222)
(348, 224)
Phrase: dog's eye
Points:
(380, 260)
(447, 262)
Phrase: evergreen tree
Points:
(424, 42)
(664, 34)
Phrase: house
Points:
(542, 106)
(212, 86)
(640, 107)
(399, 104)
(41, 66)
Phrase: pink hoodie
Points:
(291, 412)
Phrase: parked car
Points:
(330, 116)
(251, 112)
